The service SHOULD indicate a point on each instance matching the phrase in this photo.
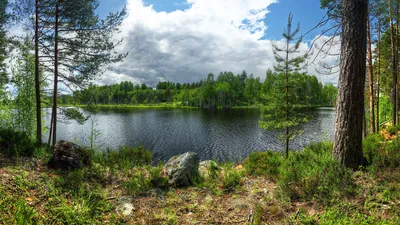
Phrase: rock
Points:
(182, 170)
(125, 206)
(67, 155)
(205, 166)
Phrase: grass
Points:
(309, 187)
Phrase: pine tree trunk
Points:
(55, 77)
(371, 80)
(378, 78)
(51, 128)
(350, 103)
(394, 66)
(37, 78)
(287, 96)
(397, 60)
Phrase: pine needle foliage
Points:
(281, 112)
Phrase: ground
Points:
(31, 193)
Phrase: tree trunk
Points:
(394, 66)
(55, 77)
(371, 80)
(37, 79)
(378, 78)
(397, 59)
(350, 103)
(51, 128)
(287, 95)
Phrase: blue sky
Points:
(184, 40)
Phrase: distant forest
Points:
(226, 90)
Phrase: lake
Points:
(220, 134)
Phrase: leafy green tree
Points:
(4, 18)
(329, 95)
(23, 79)
(280, 112)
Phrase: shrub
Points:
(313, 173)
(371, 147)
(392, 129)
(263, 163)
(157, 180)
(232, 178)
(390, 156)
(381, 155)
(138, 185)
(144, 180)
(15, 143)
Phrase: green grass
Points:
(124, 159)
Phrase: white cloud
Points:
(184, 46)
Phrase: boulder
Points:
(182, 170)
(68, 155)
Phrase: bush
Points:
(313, 173)
(393, 129)
(379, 154)
(157, 180)
(140, 184)
(15, 143)
(144, 180)
(125, 158)
(390, 156)
(232, 178)
(371, 147)
(263, 163)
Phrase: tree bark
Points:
(378, 78)
(55, 77)
(37, 78)
(394, 66)
(370, 80)
(350, 103)
(397, 60)
(287, 93)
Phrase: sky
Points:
(184, 40)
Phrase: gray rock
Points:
(67, 155)
(182, 170)
(125, 206)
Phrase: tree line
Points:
(226, 90)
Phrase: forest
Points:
(231, 149)
(225, 91)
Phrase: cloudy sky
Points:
(184, 40)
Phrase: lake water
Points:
(221, 135)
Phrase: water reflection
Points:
(221, 135)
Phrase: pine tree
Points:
(76, 46)
(280, 113)
(350, 104)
